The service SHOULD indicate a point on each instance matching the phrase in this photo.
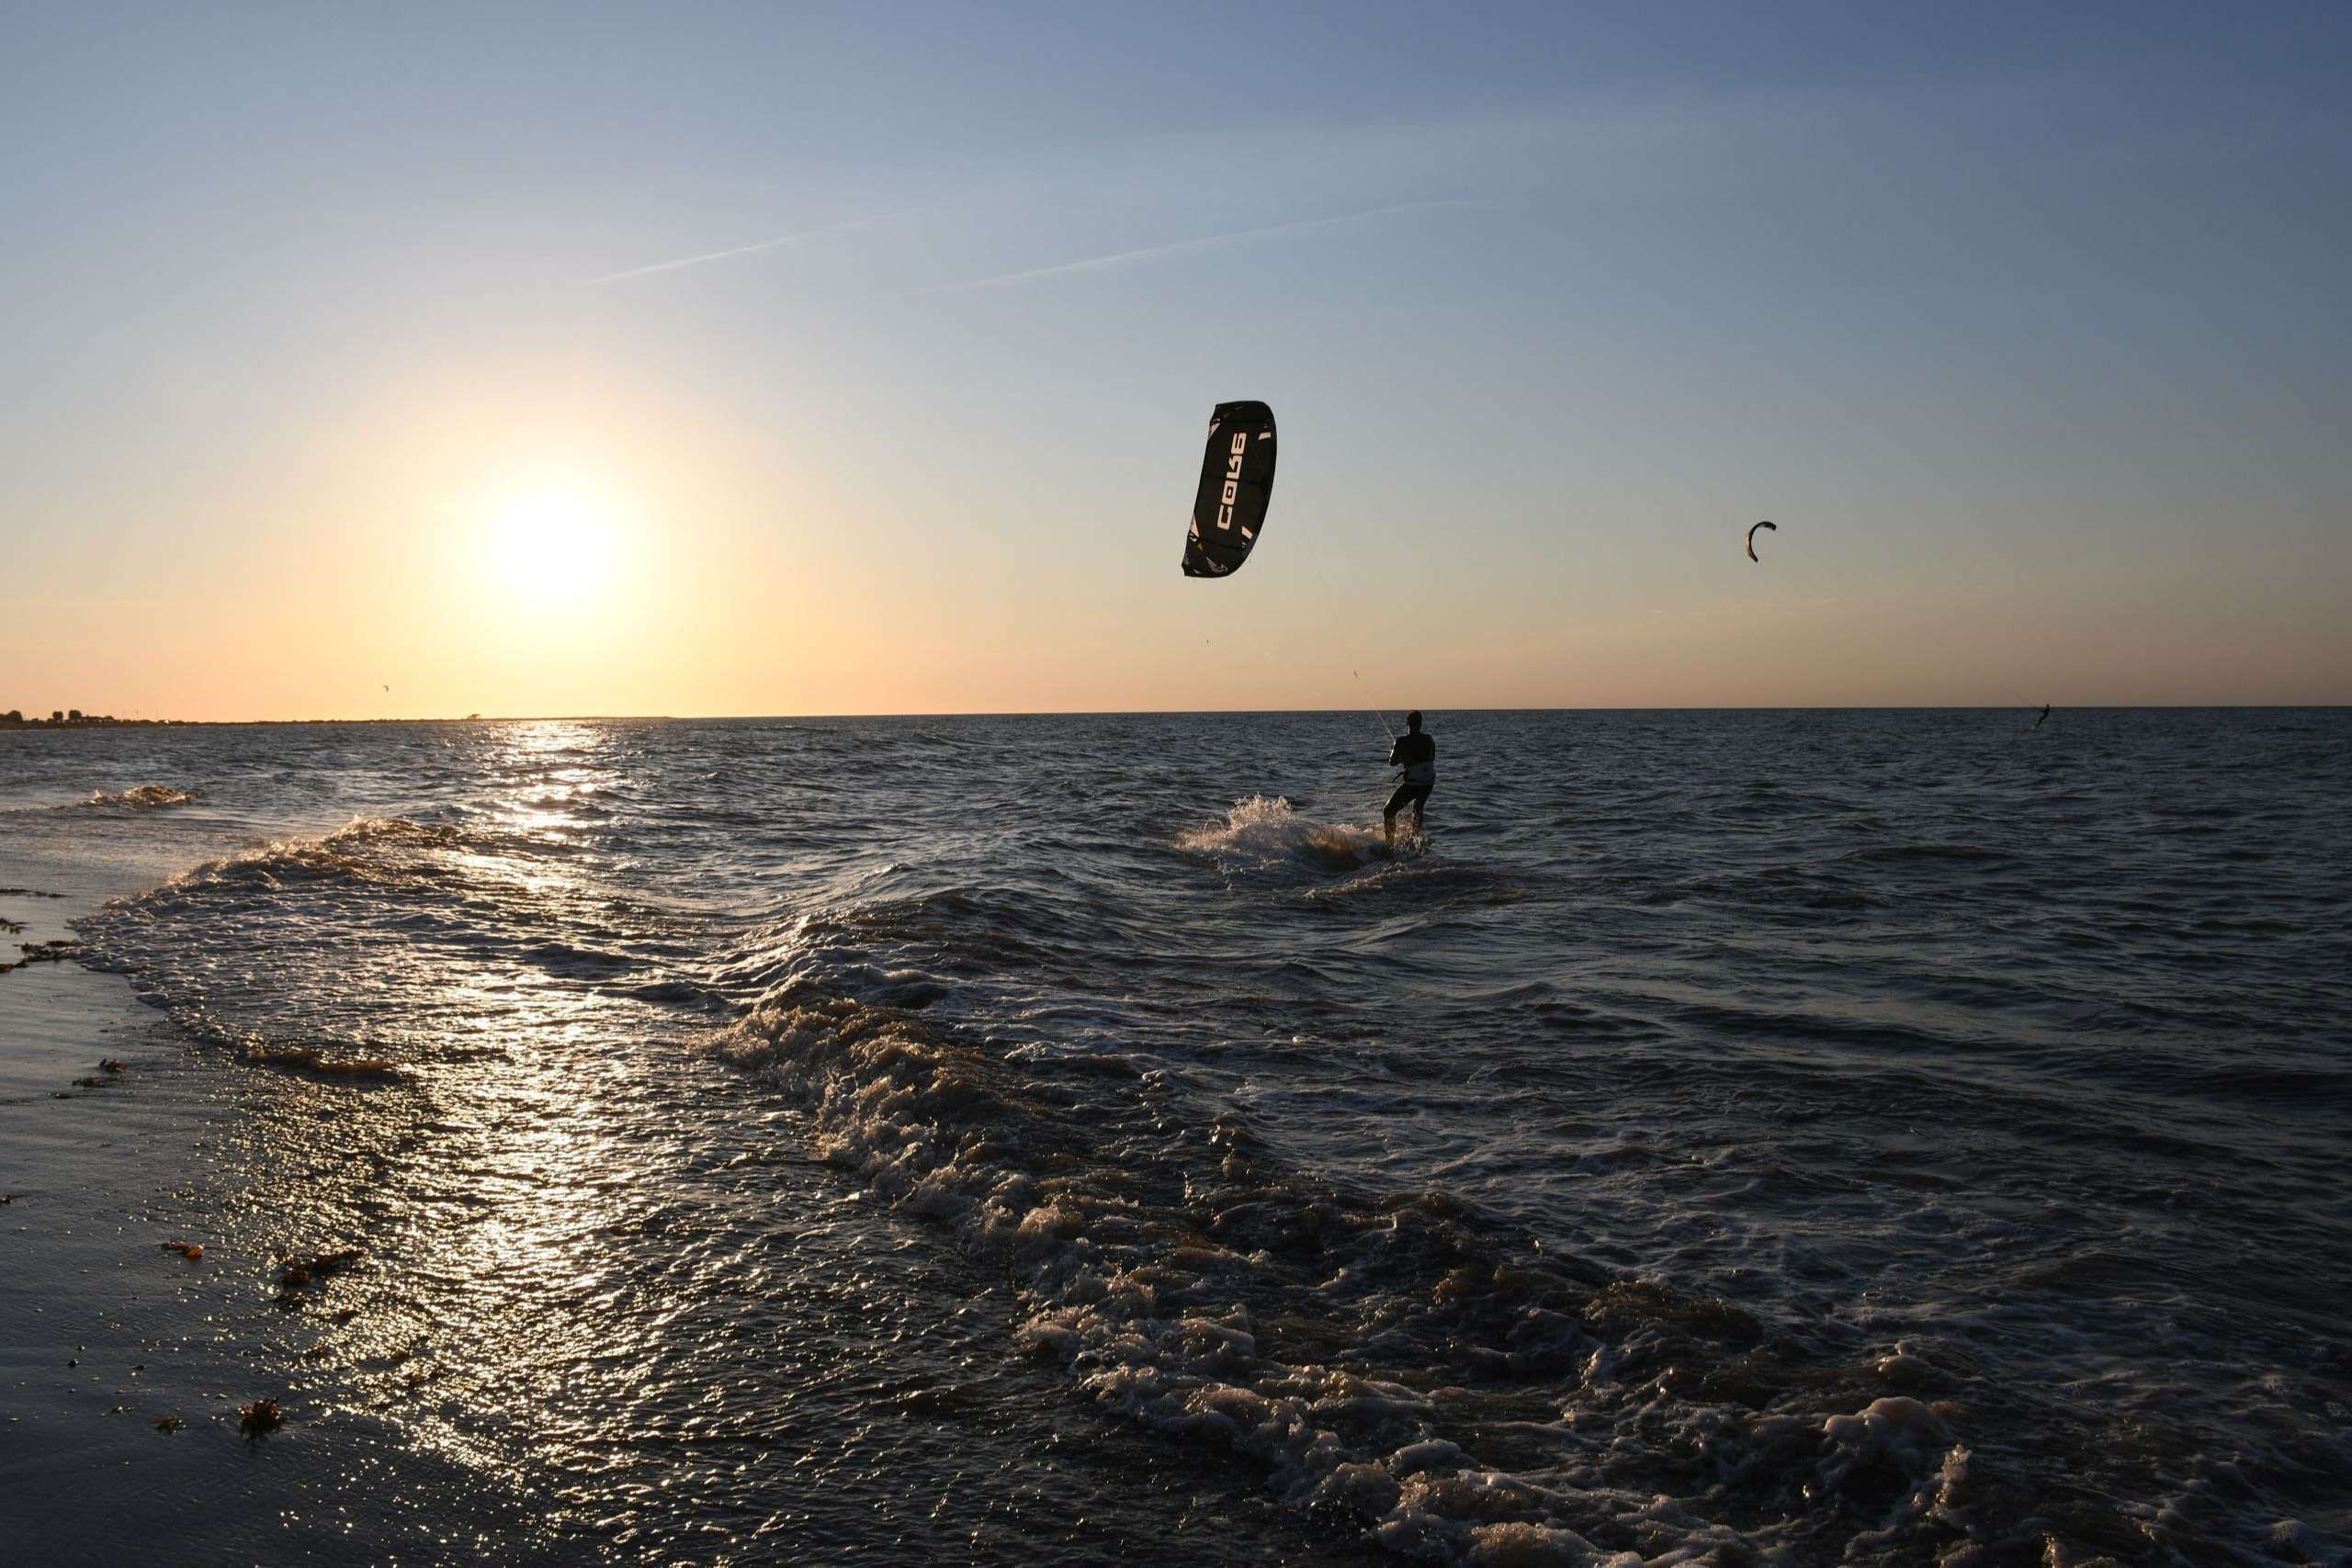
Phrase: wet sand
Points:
(105, 1331)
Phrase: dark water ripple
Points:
(1804, 1137)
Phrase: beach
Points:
(120, 1142)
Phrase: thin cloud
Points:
(752, 249)
(1206, 242)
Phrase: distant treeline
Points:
(72, 718)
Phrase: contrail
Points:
(753, 249)
(1119, 258)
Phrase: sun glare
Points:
(553, 545)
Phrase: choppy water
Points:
(1806, 1137)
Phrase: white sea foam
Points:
(1266, 829)
(138, 797)
(1177, 1300)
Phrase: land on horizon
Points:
(9, 721)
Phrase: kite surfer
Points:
(2045, 718)
(1417, 754)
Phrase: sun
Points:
(553, 545)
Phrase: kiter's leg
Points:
(1396, 803)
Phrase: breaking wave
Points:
(138, 798)
(344, 955)
(1397, 1363)
(1267, 829)
(376, 850)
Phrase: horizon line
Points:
(117, 723)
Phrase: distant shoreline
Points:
(106, 723)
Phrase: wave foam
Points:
(1267, 829)
(1395, 1368)
(140, 798)
(368, 848)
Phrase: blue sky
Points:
(2028, 325)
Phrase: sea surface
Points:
(1796, 1137)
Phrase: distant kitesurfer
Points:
(1417, 754)
(2045, 718)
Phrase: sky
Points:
(414, 360)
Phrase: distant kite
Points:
(1751, 539)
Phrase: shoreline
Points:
(108, 1336)
(407, 1436)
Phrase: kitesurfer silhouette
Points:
(1417, 754)
(2045, 718)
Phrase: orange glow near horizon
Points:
(537, 539)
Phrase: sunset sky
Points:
(767, 359)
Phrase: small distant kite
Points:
(1751, 539)
(388, 688)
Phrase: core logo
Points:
(1232, 480)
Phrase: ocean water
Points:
(1776, 1137)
